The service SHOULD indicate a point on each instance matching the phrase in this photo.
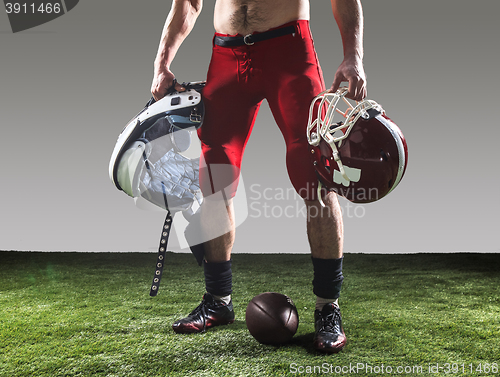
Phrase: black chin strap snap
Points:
(162, 249)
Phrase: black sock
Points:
(218, 278)
(328, 277)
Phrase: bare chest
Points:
(246, 16)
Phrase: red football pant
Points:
(285, 71)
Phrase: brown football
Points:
(272, 318)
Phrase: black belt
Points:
(250, 39)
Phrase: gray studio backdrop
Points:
(68, 87)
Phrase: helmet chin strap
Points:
(320, 186)
(162, 249)
(337, 159)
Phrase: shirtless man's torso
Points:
(247, 16)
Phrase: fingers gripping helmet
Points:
(362, 156)
(147, 160)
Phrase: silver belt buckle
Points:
(247, 41)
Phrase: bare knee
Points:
(331, 208)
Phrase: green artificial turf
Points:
(74, 314)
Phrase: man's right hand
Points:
(162, 81)
(180, 21)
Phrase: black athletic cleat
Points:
(208, 314)
(329, 335)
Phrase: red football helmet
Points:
(362, 157)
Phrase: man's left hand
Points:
(352, 71)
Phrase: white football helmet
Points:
(147, 160)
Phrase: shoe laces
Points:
(331, 321)
(201, 308)
(204, 305)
